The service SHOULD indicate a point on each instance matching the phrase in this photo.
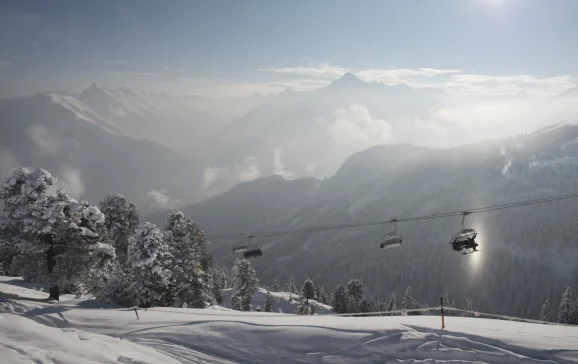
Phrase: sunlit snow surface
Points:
(86, 331)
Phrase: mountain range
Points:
(528, 253)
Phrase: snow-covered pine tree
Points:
(574, 313)
(86, 260)
(185, 242)
(268, 302)
(364, 306)
(339, 299)
(317, 290)
(291, 287)
(244, 285)
(565, 308)
(355, 289)
(322, 296)
(149, 259)
(408, 302)
(275, 286)
(392, 303)
(352, 305)
(217, 292)
(83, 263)
(545, 312)
(121, 219)
(28, 218)
(308, 290)
(302, 307)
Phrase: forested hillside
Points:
(528, 252)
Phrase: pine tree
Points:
(392, 303)
(339, 299)
(545, 312)
(352, 305)
(268, 302)
(185, 241)
(574, 313)
(244, 285)
(364, 306)
(565, 309)
(408, 302)
(355, 289)
(291, 288)
(322, 296)
(318, 293)
(121, 219)
(302, 308)
(149, 259)
(83, 263)
(275, 286)
(217, 292)
(308, 290)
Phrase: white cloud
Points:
(475, 84)
(160, 199)
(354, 125)
(311, 167)
(401, 75)
(45, 141)
(264, 88)
(278, 168)
(324, 70)
(219, 179)
(72, 181)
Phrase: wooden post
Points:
(136, 312)
(442, 309)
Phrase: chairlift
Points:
(242, 246)
(391, 239)
(253, 252)
(464, 240)
(248, 250)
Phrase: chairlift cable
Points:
(383, 222)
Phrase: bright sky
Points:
(231, 48)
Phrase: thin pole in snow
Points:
(442, 310)
(136, 312)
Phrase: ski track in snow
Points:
(106, 334)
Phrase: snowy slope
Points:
(76, 335)
(283, 302)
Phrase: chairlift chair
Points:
(391, 239)
(242, 246)
(465, 238)
(253, 252)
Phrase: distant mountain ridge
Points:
(526, 244)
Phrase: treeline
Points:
(106, 252)
(567, 310)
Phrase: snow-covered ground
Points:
(80, 331)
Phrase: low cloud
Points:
(45, 141)
(475, 84)
(219, 179)
(278, 167)
(72, 181)
(324, 70)
(263, 88)
(160, 199)
(401, 75)
(354, 126)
